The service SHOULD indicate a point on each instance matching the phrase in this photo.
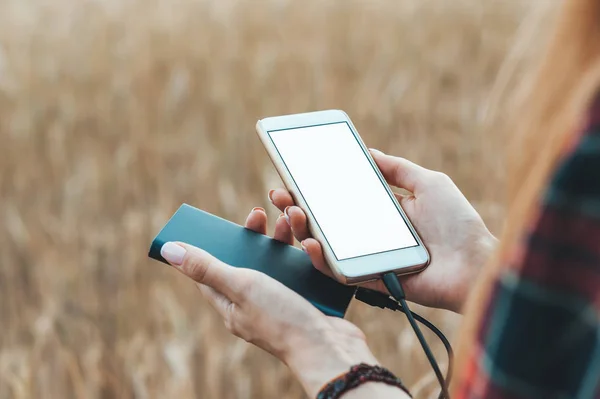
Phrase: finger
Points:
(281, 198)
(315, 252)
(257, 220)
(201, 267)
(218, 301)
(400, 172)
(283, 231)
(297, 220)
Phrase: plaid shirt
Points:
(540, 337)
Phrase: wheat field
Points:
(114, 112)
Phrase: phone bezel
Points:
(353, 270)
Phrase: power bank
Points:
(240, 247)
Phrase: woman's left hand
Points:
(264, 312)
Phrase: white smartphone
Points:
(350, 208)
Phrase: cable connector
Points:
(375, 298)
(392, 283)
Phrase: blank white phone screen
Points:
(346, 197)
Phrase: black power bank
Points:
(240, 247)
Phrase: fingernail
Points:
(376, 151)
(281, 216)
(287, 217)
(303, 247)
(271, 195)
(258, 208)
(173, 253)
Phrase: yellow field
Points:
(113, 112)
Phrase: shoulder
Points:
(575, 187)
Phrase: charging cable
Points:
(398, 303)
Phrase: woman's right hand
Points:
(458, 241)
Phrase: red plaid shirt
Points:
(540, 337)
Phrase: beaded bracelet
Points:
(358, 375)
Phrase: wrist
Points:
(317, 361)
(478, 256)
(376, 390)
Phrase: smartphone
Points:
(240, 247)
(351, 210)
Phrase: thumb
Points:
(400, 172)
(201, 267)
(219, 302)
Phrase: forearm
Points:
(376, 390)
(317, 364)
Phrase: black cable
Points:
(442, 338)
(383, 301)
(392, 283)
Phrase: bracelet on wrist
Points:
(356, 376)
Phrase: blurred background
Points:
(114, 112)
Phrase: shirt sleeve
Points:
(540, 336)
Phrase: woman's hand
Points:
(458, 241)
(263, 311)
